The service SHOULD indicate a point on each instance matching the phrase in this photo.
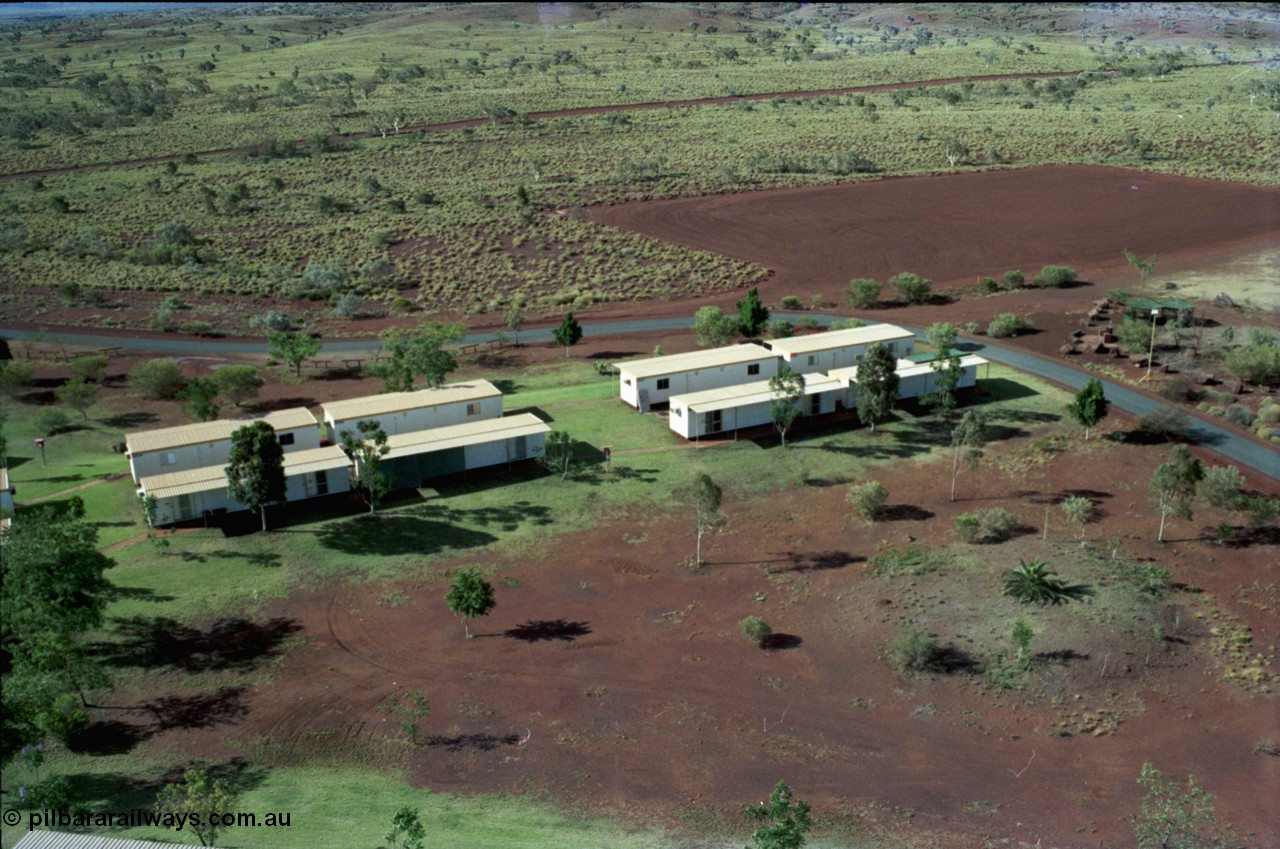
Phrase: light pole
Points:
(1152, 352)
(40, 445)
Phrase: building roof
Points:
(729, 355)
(745, 394)
(162, 439)
(905, 368)
(40, 839)
(461, 435)
(838, 339)
(372, 406)
(208, 478)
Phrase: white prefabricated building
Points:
(421, 455)
(654, 380)
(914, 379)
(730, 408)
(422, 409)
(193, 446)
(840, 348)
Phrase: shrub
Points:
(347, 306)
(271, 320)
(968, 526)
(779, 328)
(994, 525)
(1055, 276)
(847, 323)
(52, 421)
(1007, 324)
(756, 630)
(914, 650)
(1259, 364)
(791, 302)
(971, 327)
(163, 320)
(1014, 278)
(1238, 415)
(159, 380)
(863, 292)
(197, 328)
(867, 499)
(1178, 388)
(911, 288)
(988, 286)
(1164, 423)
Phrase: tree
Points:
(1035, 583)
(15, 378)
(1144, 267)
(877, 384)
(786, 388)
(407, 831)
(471, 596)
(954, 149)
(237, 383)
(967, 440)
(419, 351)
(911, 288)
(90, 368)
(367, 446)
(1174, 486)
(159, 380)
(1223, 487)
(1090, 405)
(1021, 638)
(293, 348)
(713, 328)
(557, 454)
(752, 314)
(942, 336)
(863, 292)
(196, 799)
(514, 318)
(255, 468)
(569, 333)
(198, 400)
(785, 822)
(1176, 820)
(867, 499)
(946, 368)
(705, 496)
(77, 395)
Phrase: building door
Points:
(520, 450)
(815, 405)
(713, 421)
(185, 508)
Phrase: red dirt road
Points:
(956, 228)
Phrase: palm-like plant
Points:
(1035, 583)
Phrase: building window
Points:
(754, 368)
(813, 358)
(473, 409)
(815, 405)
(626, 381)
(664, 383)
(892, 346)
(676, 411)
(322, 483)
(168, 458)
(286, 439)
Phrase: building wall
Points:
(410, 471)
(422, 418)
(845, 357)
(211, 453)
(304, 486)
(692, 425)
(297, 488)
(694, 381)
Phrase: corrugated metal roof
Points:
(40, 839)
(458, 436)
(395, 402)
(209, 478)
(905, 368)
(695, 360)
(839, 339)
(161, 439)
(744, 394)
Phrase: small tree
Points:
(159, 380)
(569, 333)
(877, 385)
(867, 499)
(367, 445)
(557, 455)
(407, 831)
(863, 292)
(785, 822)
(1169, 818)
(787, 390)
(756, 630)
(1021, 638)
(705, 497)
(947, 372)
(1144, 267)
(1079, 510)
(911, 288)
(237, 383)
(255, 468)
(514, 318)
(954, 150)
(15, 378)
(199, 400)
(196, 799)
(1090, 405)
(1223, 487)
(77, 395)
(471, 596)
(967, 441)
(713, 328)
(418, 351)
(91, 368)
(1174, 486)
(293, 348)
(752, 314)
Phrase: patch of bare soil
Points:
(613, 675)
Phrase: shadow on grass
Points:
(168, 713)
(263, 559)
(904, 513)
(156, 642)
(1004, 389)
(781, 642)
(535, 631)
(400, 533)
(471, 742)
(124, 421)
(816, 562)
(115, 593)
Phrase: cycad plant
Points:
(1035, 583)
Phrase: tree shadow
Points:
(816, 562)
(202, 710)
(506, 385)
(108, 737)
(471, 742)
(1059, 657)
(124, 421)
(904, 513)
(1244, 537)
(951, 659)
(274, 404)
(390, 534)
(152, 643)
(614, 355)
(115, 593)
(538, 630)
(781, 642)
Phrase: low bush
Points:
(911, 288)
(791, 302)
(52, 421)
(159, 380)
(1164, 423)
(1055, 276)
(779, 328)
(1008, 324)
(863, 292)
(756, 630)
(988, 286)
(914, 650)
(1238, 415)
(1014, 278)
(1178, 388)
(867, 499)
(994, 525)
(968, 527)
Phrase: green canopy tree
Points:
(946, 368)
(877, 385)
(78, 395)
(752, 314)
(514, 318)
(195, 798)
(785, 820)
(199, 400)
(705, 497)
(471, 596)
(713, 328)
(238, 383)
(255, 468)
(418, 351)
(787, 390)
(967, 441)
(293, 348)
(569, 333)
(1174, 486)
(1089, 406)
(367, 445)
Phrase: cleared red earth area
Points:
(954, 228)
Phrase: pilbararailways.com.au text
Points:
(139, 817)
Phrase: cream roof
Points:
(458, 436)
(208, 478)
(745, 394)
(395, 402)
(695, 360)
(146, 441)
(905, 368)
(838, 339)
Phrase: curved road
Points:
(1265, 461)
